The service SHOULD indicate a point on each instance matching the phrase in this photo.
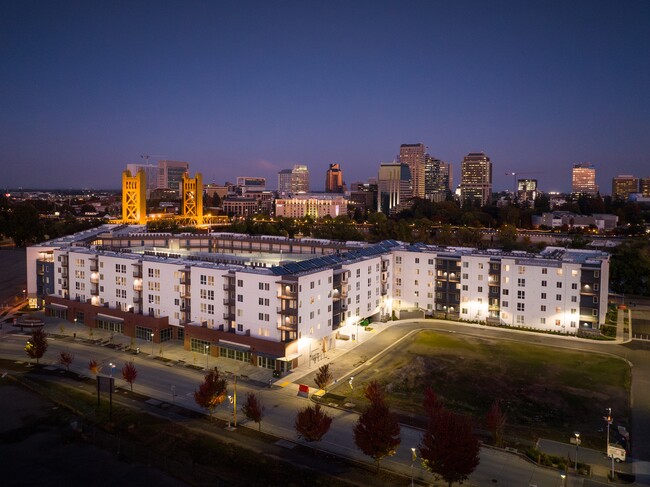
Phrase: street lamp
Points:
(152, 334)
(207, 356)
(577, 435)
(112, 366)
(414, 456)
(562, 479)
(609, 422)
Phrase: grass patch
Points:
(544, 391)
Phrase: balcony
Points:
(137, 299)
(185, 292)
(94, 290)
(226, 287)
(287, 295)
(137, 273)
(287, 310)
(93, 266)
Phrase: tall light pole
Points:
(207, 356)
(562, 479)
(152, 334)
(577, 435)
(414, 456)
(112, 366)
(234, 403)
(609, 422)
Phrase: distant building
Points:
(151, 175)
(526, 190)
(315, 206)
(583, 179)
(299, 179)
(284, 181)
(246, 184)
(644, 186)
(393, 187)
(558, 219)
(437, 183)
(170, 175)
(476, 178)
(363, 196)
(334, 179)
(413, 156)
(624, 185)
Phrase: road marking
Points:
(284, 384)
(319, 393)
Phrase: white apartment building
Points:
(289, 312)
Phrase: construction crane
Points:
(147, 156)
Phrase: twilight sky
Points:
(246, 88)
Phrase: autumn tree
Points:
(66, 359)
(212, 391)
(253, 409)
(93, 366)
(449, 448)
(323, 377)
(37, 344)
(376, 433)
(495, 420)
(312, 423)
(129, 373)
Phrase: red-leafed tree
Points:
(93, 366)
(66, 359)
(323, 377)
(37, 344)
(212, 391)
(129, 373)
(376, 433)
(495, 420)
(449, 448)
(253, 409)
(312, 423)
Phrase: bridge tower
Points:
(193, 199)
(134, 198)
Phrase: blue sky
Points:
(248, 88)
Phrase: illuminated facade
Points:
(170, 175)
(334, 179)
(476, 178)
(134, 198)
(414, 157)
(583, 179)
(623, 186)
(311, 205)
(393, 187)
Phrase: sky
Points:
(247, 88)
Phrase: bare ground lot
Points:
(546, 392)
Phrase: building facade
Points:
(315, 206)
(623, 186)
(284, 181)
(281, 315)
(437, 183)
(170, 175)
(583, 179)
(413, 156)
(299, 179)
(334, 179)
(393, 187)
(476, 179)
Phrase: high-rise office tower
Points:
(413, 156)
(300, 179)
(526, 190)
(170, 174)
(284, 181)
(393, 187)
(623, 185)
(476, 178)
(436, 179)
(644, 186)
(334, 179)
(583, 179)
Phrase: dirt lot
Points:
(545, 392)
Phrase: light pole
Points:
(112, 366)
(562, 479)
(414, 456)
(609, 422)
(577, 435)
(152, 334)
(207, 356)
(75, 327)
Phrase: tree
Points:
(129, 373)
(449, 448)
(376, 433)
(212, 391)
(323, 377)
(93, 367)
(253, 409)
(495, 420)
(312, 423)
(66, 359)
(37, 344)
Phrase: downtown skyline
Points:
(250, 88)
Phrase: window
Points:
(558, 297)
(417, 261)
(558, 285)
(520, 307)
(574, 272)
(594, 312)
(465, 276)
(596, 274)
(480, 289)
(358, 272)
(574, 285)
(398, 260)
(559, 272)
(263, 286)
(430, 261)
(558, 322)
(595, 299)
(240, 327)
(480, 277)
(240, 298)
(521, 282)
(521, 294)
(204, 280)
(543, 295)
(480, 265)
(464, 311)
(312, 284)
(596, 287)
(543, 307)
(521, 269)
(520, 319)
(465, 264)
(544, 283)
(542, 321)
(504, 304)
(398, 281)
(574, 299)
(544, 270)
(505, 292)
(573, 311)
(240, 283)
(465, 287)
(558, 309)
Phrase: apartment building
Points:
(280, 310)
